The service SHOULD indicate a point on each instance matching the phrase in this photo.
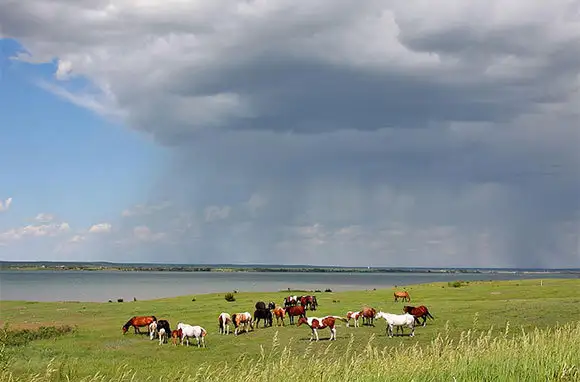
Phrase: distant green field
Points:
(97, 350)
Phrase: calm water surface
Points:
(105, 285)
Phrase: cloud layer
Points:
(336, 132)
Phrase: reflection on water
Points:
(105, 285)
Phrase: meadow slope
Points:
(487, 321)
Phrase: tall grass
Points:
(540, 355)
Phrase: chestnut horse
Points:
(138, 322)
(280, 313)
(176, 336)
(368, 314)
(316, 323)
(418, 312)
(293, 311)
(309, 302)
(404, 295)
(355, 316)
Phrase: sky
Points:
(335, 132)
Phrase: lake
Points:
(105, 285)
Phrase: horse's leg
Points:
(333, 334)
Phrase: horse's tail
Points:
(343, 319)
(430, 316)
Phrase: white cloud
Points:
(100, 228)
(145, 209)
(5, 205)
(144, 233)
(44, 218)
(215, 213)
(41, 230)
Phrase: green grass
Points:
(509, 330)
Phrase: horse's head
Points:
(301, 321)
(408, 309)
(271, 305)
(125, 328)
(235, 322)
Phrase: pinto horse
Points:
(294, 311)
(138, 322)
(355, 316)
(242, 321)
(224, 321)
(309, 302)
(404, 295)
(418, 312)
(290, 301)
(368, 315)
(280, 313)
(316, 323)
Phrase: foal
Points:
(224, 321)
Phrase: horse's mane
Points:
(154, 318)
(129, 323)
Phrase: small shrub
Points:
(230, 297)
(22, 337)
(193, 299)
(328, 290)
(455, 284)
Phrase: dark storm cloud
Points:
(404, 134)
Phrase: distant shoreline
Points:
(92, 267)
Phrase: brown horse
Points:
(176, 336)
(309, 302)
(280, 313)
(138, 322)
(418, 312)
(368, 314)
(404, 295)
(293, 311)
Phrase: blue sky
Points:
(256, 132)
(63, 158)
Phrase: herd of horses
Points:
(293, 306)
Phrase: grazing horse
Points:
(164, 324)
(162, 336)
(242, 321)
(418, 312)
(152, 330)
(293, 311)
(398, 320)
(355, 316)
(316, 323)
(138, 322)
(188, 331)
(368, 315)
(262, 305)
(290, 301)
(263, 314)
(309, 302)
(224, 320)
(176, 336)
(403, 295)
(280, 313)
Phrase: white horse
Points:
(355, 316)
(188, 331)
(398, 320)
(224, 320)
(162, 336)
(152, 330)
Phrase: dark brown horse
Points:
(404, 295)
(294, 311)
(368, 315)
(138, 322)
(418, 312)
(309, 302)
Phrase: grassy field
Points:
(508, 330)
